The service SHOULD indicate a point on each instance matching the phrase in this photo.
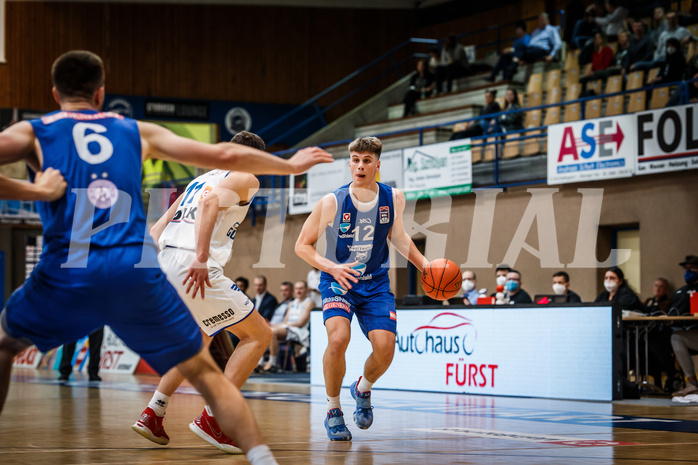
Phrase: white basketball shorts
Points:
(224, 304)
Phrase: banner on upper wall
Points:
(592, 150)
(437, 169)
(667, 140)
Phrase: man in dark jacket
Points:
(682, 341)
(481, 126)
(264, 302)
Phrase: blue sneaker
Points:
(335, 426)
(363, 415)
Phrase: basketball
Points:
(441, 279)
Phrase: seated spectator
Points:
(614, 21)
(500, 274)
(674, 67)
(313, 280)
(561, 286)
(640, 48)
(675, 98)
(264, 302)
(601, 59)
(513, 289)
(659, 302)
(481, 126)
(512, 119)
(295, 327)
(506, 63)
(618, 291)
(469, 286)
(242, 283)
(585, 29)
(674, 31)
(545, 42)
(286, 292)
(434, 59)
(659, 25)
(422, 84)
(690, 17)
(453, 64)
(619, 58)
(682, 341)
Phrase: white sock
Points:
(364, 384)
(333, 402)
(272, 360)
(159, 403)
(261, 455)
(208, 410)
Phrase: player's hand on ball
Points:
(344, 274)
(305, 159)
(197, 277)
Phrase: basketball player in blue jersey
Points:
(358, 220)
(99, 266)
(196, 237)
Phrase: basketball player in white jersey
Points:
(196, 238)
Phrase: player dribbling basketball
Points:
(358, 219)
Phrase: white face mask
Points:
(559, 289)
(670, 50)
(501, 280)
(610, 285)
(468, 285)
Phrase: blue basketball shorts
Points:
(373, 304)
(59, 305)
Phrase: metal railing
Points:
(396, 60)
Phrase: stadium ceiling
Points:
(353, 4)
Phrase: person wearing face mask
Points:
(469, 286)
(501, 276)
(682, 341)
(618, 291)
(674, 66)
(561, 286)
(513, 288)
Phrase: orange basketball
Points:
(441, 279)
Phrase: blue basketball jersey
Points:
(361, 235)
(99, 154)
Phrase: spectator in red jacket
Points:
(601, 59)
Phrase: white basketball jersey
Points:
(180, 232)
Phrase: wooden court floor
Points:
(45, 423)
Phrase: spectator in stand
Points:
(506, 63)
(295, 326)
(674, 67)
(545, 42)
(601, 59)
(659, 302)
(641, 47)
(614, 21)
(512, 118)
(659, 25)
(561, 286)
(264, 302)
(690, 17)
(422, 84)
(481, 126)
(675, 98)
(434, 59)
(513, 289)
(313, 280)
(453, 64)
(242, 283)
(574, 12)
(620, 57)
(618, 291)
(682, 341)
(674, 31)
(585, 29)
(469, 286)
(286, 292)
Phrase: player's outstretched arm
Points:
(160, 143)
(322, 215)
(399, 237)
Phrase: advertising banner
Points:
(493, 351)
(28, 358)
(591, 150)
(438, 169)
(307, 189)
(667, 140)
(116, 357)
(391, 169)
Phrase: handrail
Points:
(320, 112)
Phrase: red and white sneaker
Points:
(149, 425)
(206, 427)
